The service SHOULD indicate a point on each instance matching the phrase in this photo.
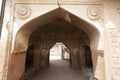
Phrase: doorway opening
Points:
(59, 69)
(56, 51)
(29, 57)
(59, 51)
(88, 58)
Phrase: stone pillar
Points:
(98, 64)
(74, 54)
(44, 59)
(44, 55)
(112, 51)
(36, 60)
(16, 66)
(82, 60)
(75, 58)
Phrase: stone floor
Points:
(59, 70)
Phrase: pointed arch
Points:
(23, 34)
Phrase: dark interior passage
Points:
(59, 66)
(29, 57)
(88, 54)
(43, 39)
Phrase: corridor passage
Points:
(59, 70)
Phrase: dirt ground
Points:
(60, 70)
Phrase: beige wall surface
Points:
(102, 15)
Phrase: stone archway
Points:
(58, 31)
(23, 35)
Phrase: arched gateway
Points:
(37, 36)
(88, 28)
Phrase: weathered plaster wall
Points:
(16, 66)
(112, 39)
(4, 39)
(99, 64)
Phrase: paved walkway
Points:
(59, 70)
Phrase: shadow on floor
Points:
(59, 70)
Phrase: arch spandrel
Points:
(25, 31)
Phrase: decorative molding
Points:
(23, 12)
(98, 52)
(93, 12)
(114, 52)
(69, 2)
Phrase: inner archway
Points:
(59, 67)
(59, 51)
(44, 38)
(44, 31)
